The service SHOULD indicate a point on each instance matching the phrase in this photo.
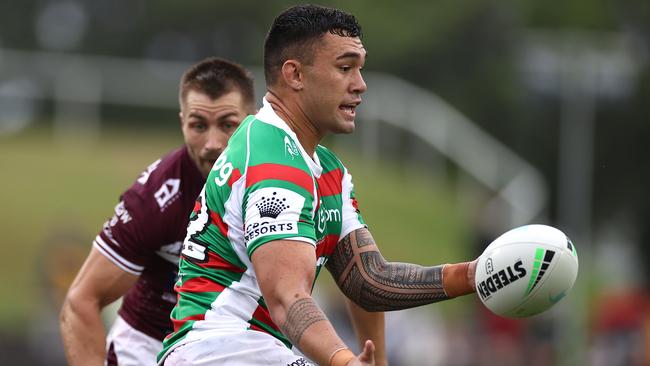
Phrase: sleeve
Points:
(125, 238)
(278, 205)
(351, 216)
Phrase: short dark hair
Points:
(216, 77)
(294, 32)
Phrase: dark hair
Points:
(216, 77)
(294, 32)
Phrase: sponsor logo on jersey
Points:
(167, 193)
(144, 176)
(121, 214)
(272, 205)
(326, 215)
(500, 279)
(272, 211)
(194, 251)
(290, 147)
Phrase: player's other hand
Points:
(366, 357)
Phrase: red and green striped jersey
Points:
(263, 187)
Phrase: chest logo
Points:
(326, 215)
(290, 147)
(167, 192)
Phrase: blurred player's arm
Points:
(369, 325)
(375, 284)
(285, 272)
(98, 283)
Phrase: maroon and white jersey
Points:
(145, 236)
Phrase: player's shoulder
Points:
(269, 143)
(168, 166)
(162, 182)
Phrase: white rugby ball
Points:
(526, 271)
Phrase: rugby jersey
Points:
(263, 187)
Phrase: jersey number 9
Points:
(224, 168)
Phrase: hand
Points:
(471, 273)
(366, 357)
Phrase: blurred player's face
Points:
(333, 83)
(207, 125)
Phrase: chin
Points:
(344, 127)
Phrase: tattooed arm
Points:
(377, 285)
(285, 272)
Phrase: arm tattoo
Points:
(377, 285)
(300, 316)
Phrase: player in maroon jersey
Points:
(136, 253)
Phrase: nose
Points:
(359, 85)
(216, 141)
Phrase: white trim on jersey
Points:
(248, 146)
(302, 239)
(117, 259)
(239, 300)
(349, 219)
(233, 218)
(228, 311)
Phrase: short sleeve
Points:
(278, 205)
(126, 238)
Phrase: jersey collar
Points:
(267, 114)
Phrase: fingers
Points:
(368, 353)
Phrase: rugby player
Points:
(135, 255)
(277, 207)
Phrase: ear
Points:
(292, 74)
(180, 118)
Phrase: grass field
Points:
(57, 192)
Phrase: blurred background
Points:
(480, 116)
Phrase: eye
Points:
(198, 126)
(345, 68)
(230, 126)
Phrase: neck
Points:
(295, 117)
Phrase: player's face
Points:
(333, 83)
(207, 125)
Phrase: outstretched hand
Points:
(366, 357)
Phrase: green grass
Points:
(57, 193)
(58, 190)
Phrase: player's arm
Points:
(285, 272)
(98, 283)
(375, 284)
(369, 325)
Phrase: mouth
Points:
(349, 109)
